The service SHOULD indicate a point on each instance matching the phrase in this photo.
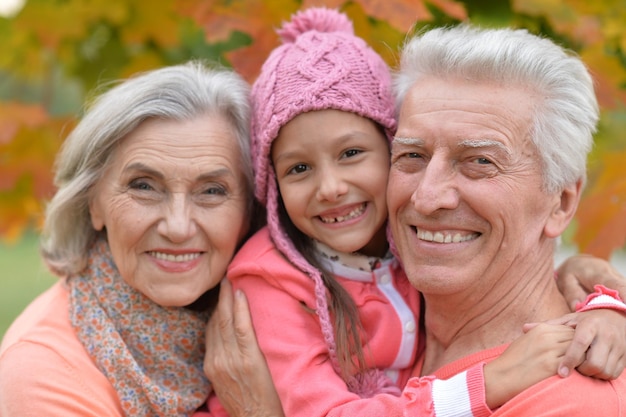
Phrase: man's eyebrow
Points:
(484, 143)
(408, 141)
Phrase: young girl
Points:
(332, 309)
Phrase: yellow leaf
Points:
(602, 214)
(154, 21)
(14, 115)
(609, 74)
(145, 61)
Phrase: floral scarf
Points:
(152, 355)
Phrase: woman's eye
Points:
(215, 190)
(141, 185)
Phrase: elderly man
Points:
(487, 169)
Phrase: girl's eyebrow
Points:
(287, 155)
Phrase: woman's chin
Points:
(174, 298)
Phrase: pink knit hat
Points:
(320, 65)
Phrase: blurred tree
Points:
(62, 50)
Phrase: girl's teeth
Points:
(354, 213)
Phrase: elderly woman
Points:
(154, 197)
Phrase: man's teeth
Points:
(440, 237)
(354, 213)
(175, 258)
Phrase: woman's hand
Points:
(578, 274)
(234, 362)
(531, 358)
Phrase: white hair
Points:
(179, 92)
(564, 121)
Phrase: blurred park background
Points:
(54, 54)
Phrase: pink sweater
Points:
(574, 396)
(282, 302)
(45, 370)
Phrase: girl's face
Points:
(332, 169)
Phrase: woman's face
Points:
(173, 204)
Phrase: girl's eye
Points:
(297, 169)
(351, 152)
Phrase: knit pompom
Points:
(319, 19)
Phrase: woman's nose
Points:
(177, 223)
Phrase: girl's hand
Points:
(598, 348)
(234, 362)
(578, 274)
(531, 358)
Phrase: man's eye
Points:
(483, 161)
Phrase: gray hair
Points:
(180, 92)
(564, 121)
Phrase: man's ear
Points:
(564, 209)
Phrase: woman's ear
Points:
(564, 209)
(95, 211)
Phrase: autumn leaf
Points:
(220, 18)
(404, 14)
(26, 163)
(60, 50)
(602, 213)
(72, 18)
(14, 115)
(19, 211)
(154, 21)
(609, 75)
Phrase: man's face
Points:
(465, 198)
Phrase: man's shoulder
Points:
(576, 395)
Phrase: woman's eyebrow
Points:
(141, 167)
